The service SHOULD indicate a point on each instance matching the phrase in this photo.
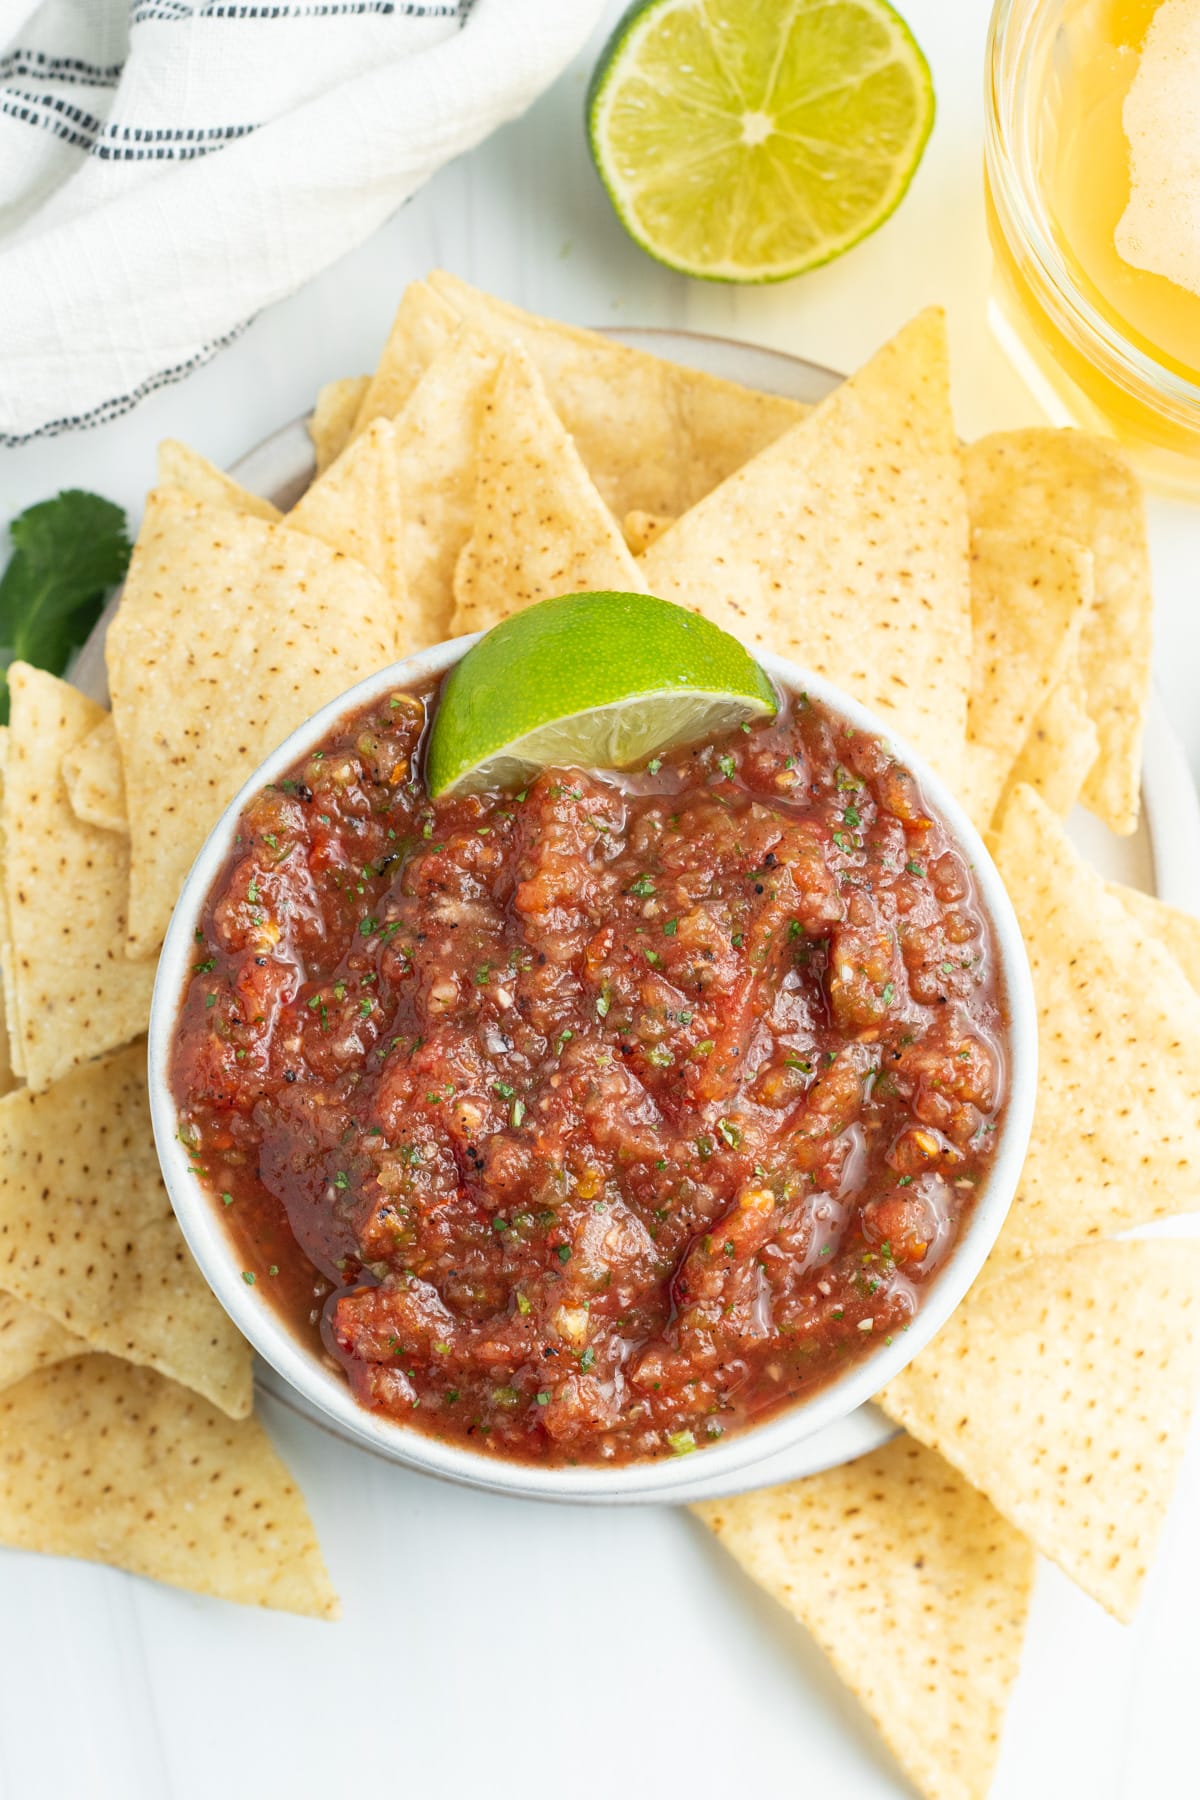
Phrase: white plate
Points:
(1162, 857)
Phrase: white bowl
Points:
(710, 1470)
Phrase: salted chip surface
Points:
(356, 508)
(1116, 1130)
(1064, 1393)
(31, 1340)
(1061, 747)
(915, 1588)
(437, 436)
(95, 780)
(655, 436)
(541, 527)
(75, 993)
(1067, 484)
(11, 1064)
(1160, 227)
(331, 423)
(182, 467)
(1179, 931)
(230, 633)
(1029, 599)
(410, 481)
(87, 1234)
(117, 1465)
(779, 556)
(423, 325)
(641, 528)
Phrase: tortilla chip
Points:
(1179, 931)
(641, 529)
(95, 780)
(117, 1465)
(355, 507)
(437, 454)
(1067, 483)
(915, 1588)
(76, 993)
(653, 435)
(424, 324)
(1059, 751)
(31, 1340)
(1029, 598)
(1064, 1393)
(12, 1065)
(230, 633)
(87, 1234)
(8, 1075)
(402, 497)
(331, 423)
(1116, 1132)
(181, 467)
(780, 555)
(540, 526)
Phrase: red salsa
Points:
(591, 1122)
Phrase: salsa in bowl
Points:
(545, 1135)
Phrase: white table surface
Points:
(501, 1646)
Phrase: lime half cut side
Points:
(594, 681)
(749, 140)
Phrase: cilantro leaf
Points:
(67, 554)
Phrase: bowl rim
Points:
(327, 1389)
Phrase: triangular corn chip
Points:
(654, 436)
(31, 1340)
(355, 507)
(1060, 749)
(845, 545)
(10, 1037)
(117, 1465)
(181, 467)
(540, 526)
(413, 480)
(1116, 1132)
(95, 780)
(423, 325)
(1029, 598)
(1064, 1393)
(1179, 931)
(331, 424)
(229, 634)
(642, 528)
(1069, 484)
(76, 992)
(437, 451)
(87, 1234)
(915, 1588)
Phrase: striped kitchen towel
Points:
(170, 167)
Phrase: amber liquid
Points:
(1082, 160)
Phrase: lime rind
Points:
(701, 188)
(590, 680)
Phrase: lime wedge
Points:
(594, 681)
(749, 140)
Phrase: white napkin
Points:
(170, 167)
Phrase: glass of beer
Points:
(1093, 110)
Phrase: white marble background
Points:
(491, 1645)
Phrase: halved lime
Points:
(594, 681)
(749, 140)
